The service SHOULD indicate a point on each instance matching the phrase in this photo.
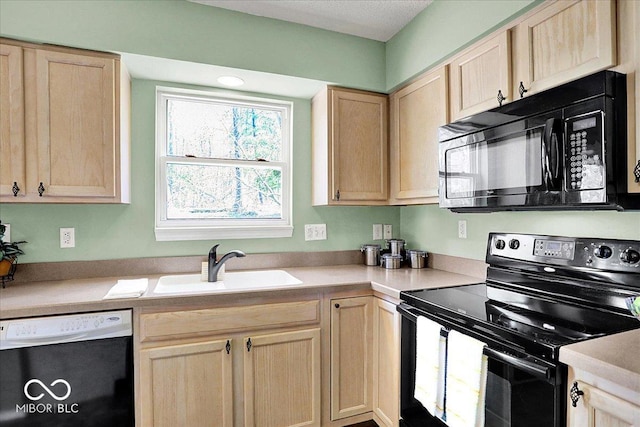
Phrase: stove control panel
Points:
(610, 255)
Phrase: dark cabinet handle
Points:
(522, 90)
(41, 189)
(228, 347)
(500, 97)
(337, 305)
(338, 195)
(575, 394)
(249, 344)
(636, 171)
(15, 189)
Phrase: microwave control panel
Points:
(584, 152)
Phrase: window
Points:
(223, 166)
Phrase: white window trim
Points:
(207, 229)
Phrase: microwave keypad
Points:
(584, 160)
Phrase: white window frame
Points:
(206, 228)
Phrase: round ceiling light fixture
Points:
(231, 81)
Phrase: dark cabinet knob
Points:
(522, 90)
(500, 97)
(575, 394)
(15, 189)
(337, 305)
(41, 189)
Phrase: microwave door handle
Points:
(552, 150)
(546, 169)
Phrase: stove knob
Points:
(514, 244)
(500, 244)
(603, 251)
(630, 256)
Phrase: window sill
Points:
(210, 233)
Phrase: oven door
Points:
(520, 392)
(515, 164)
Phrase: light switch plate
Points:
(315, 232)
(388, 231)
(377, 231)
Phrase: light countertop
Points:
(614, 357)
(82, 295)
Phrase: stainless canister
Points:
(390, 260)
(417, 258)
(371, 254)
(396, 246)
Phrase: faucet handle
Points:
(212, 252)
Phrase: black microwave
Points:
(564, 148)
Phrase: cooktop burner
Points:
(539, 301)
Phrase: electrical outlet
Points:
(388, 231)
(67, 237)
(462, 229)
(7, 233)
(377, 231)
(315, 232)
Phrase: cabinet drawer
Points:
(159, 326)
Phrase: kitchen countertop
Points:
(82, 295)
(614, 358)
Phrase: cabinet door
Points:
(351, 357)
(386, 363)
(282, 379)
(597, 408)
(565, 41)
(417, 111)
(186, 385)
(12, 143)
(358, 146)
(478, 75)
(75, 125)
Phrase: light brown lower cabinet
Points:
(282, 379)
(351, 356)
(186, 385)
(386, 363)
(601, 403)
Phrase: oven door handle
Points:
(533, 368)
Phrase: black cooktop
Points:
(527, 322)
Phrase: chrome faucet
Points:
(214, 266)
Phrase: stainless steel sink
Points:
(232, 281)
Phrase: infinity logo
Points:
(52, 394)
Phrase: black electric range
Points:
(541, 293)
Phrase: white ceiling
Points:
(372, 19)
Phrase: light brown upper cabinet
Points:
(74, 112)
(350, 147)
(562, 42)
(417, 110)
(12, 165)
(480, 78)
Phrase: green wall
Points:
(426, 41)
(182, 30)
(125, 231)
(192, 32)
(443, 28)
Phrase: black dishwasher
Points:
(64, 371)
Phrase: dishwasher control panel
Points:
(29, 332)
